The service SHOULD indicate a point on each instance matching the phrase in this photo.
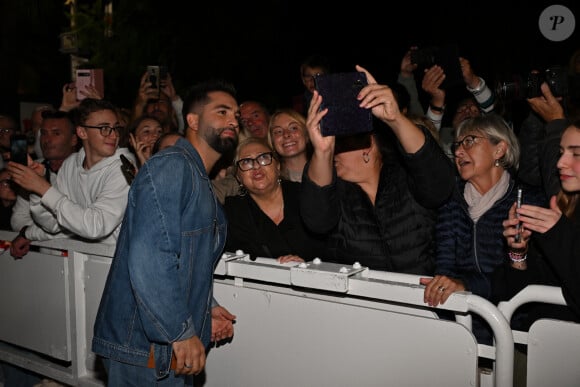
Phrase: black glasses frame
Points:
(106, 130)
(262, 159)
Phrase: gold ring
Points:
(441, 288)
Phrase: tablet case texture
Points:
(339, 92)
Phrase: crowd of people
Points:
(208, 174)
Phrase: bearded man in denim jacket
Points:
(157, 315)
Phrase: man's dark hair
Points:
(13, 123)
(316, 60)
(58, 115)
(198, 94)
(88, 106)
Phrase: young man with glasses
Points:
(89, 196)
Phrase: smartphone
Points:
(19, 148)
(128, 169)
(89, 77)
(446, 56)
(339, 93)
(518, 236)
(154, 77)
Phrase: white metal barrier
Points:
(49, 303)
(314, 324)
(359, 326)
(553, 346)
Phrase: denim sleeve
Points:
(154, 257)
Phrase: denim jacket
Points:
(159, 287)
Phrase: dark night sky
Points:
(258, 48)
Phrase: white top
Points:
(85, 203)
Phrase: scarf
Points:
(478, 204)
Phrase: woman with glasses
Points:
(264, 219)
(469, 233)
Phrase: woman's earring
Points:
(242, 191)
(496, 163)
(366, 157)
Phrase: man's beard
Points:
(220, 145)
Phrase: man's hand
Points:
(167, 88)
(69, 97)
(546, 105)
(19, 247)
(469, 77)
(28, 177)
(222, 323)
(189, 356)
(432, 80)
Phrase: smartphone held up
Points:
(518, 236)
(19, 148)
(89, 77)
(156, 75)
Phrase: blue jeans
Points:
(129, 375)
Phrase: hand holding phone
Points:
(157, 76)
(518, 236)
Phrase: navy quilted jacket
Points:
(472, 251)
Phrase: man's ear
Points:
(193, 121)
(82, 133)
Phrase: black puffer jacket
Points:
(396, 234)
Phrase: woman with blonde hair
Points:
(289, 138)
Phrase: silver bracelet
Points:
(479, 87)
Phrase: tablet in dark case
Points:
(339, 92)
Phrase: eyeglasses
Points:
(262, 159)
(106, 129)
(5, 183)
(6, 130)
(467, 142)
